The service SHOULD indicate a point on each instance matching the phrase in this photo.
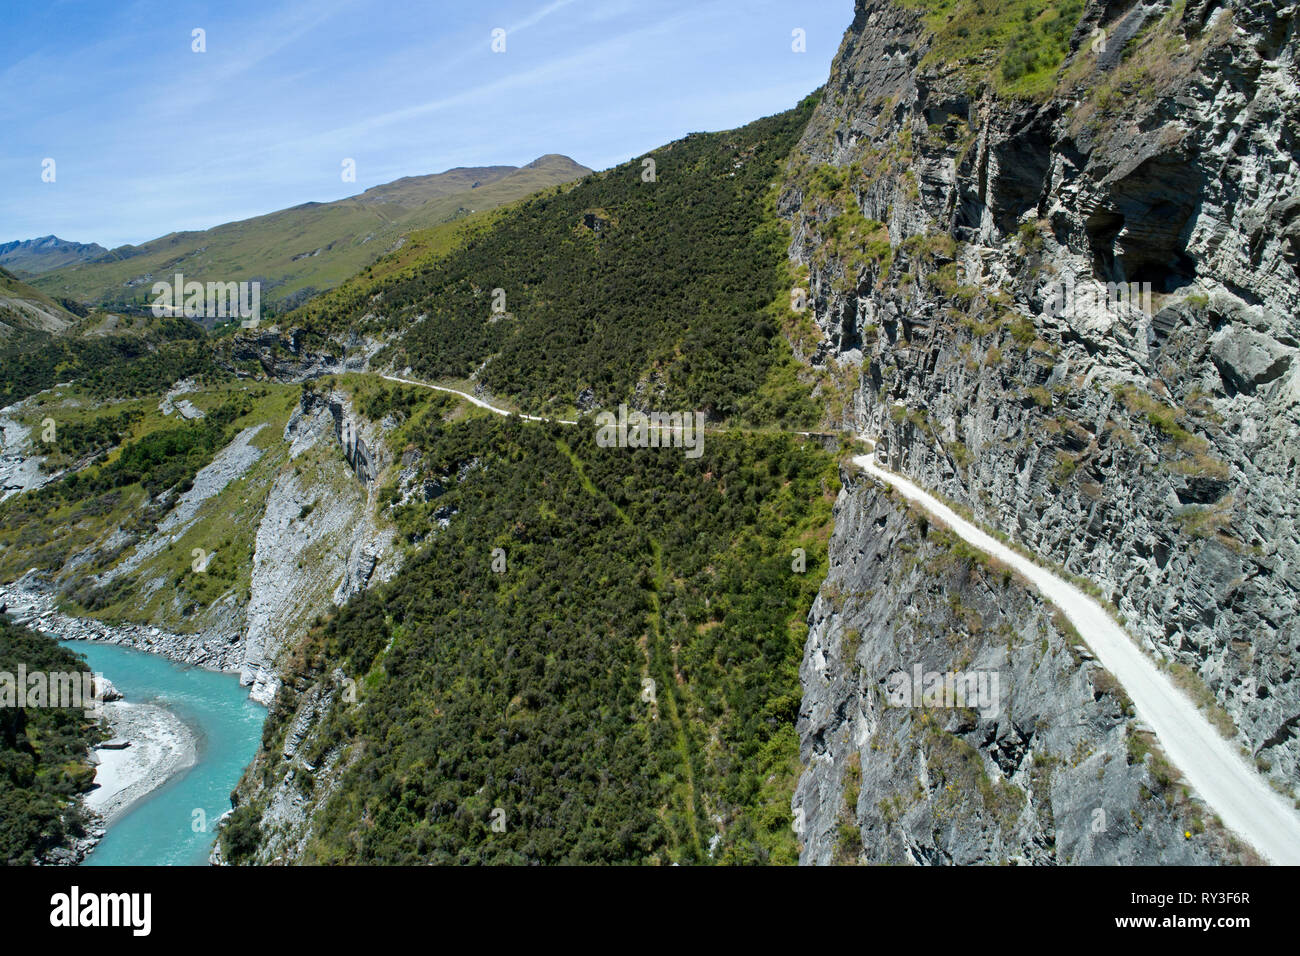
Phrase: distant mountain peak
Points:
(27, 257)
(552, 160)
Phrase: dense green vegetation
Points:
(75, 440)
(43, 528)
(422, 248)
(109, 366)
(44, 760)
(525, 690)
(162, 459)
(1040, 43)
(615, 281)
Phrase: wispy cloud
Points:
(567, 66)
(539, 16)
(150, 137)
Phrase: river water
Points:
(163, 828)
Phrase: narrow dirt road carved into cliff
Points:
(537, 418)
(475, 401)
(1210, 764)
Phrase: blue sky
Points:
(149, 137)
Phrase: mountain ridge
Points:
(26, 258)
(302, 250)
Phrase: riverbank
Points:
(147, 745)
(158, 746)
(191, 733)
(31, 601)
(188, 725)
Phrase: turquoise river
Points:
(163, 828)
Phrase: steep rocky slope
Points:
(1046, 765)
(23, 308)
(316, 545)
(278, 527)
(971, 234)
(20, 460)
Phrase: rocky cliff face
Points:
(20, 460)
(317, 542)
(290, 786)
(1073, 312)
(296, 356)
(1045, 765)
(317, 545)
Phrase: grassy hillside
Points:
(675, 289)
(25, 309)
(327, 313)
(303, 250)
(1017, 45)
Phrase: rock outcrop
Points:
(20, 462)
(289, 357)
(316, 546)
(1075, 314)
(1046, 766)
